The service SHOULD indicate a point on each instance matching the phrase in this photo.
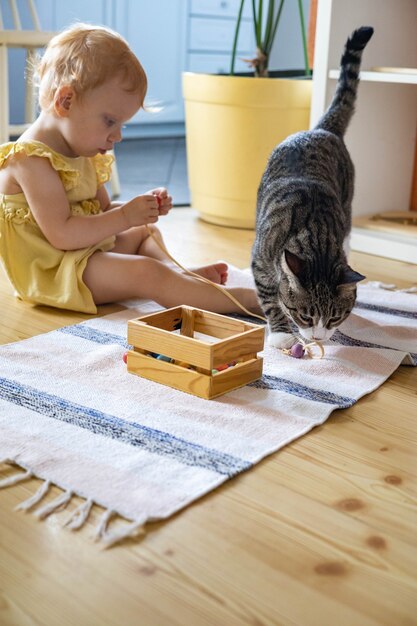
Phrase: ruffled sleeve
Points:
(102, 164)
(68, 174)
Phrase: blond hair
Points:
(84, 57)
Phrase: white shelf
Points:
(388, 245)
(383, 77)
(381, 138)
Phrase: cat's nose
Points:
(321, 334)
(318, 331)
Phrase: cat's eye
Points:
(335, 320)
(305, 318)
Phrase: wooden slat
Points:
(187, 322)
(34, 14)
(164, 342)
(235, 377)
(189, 381)
(216, 325)
(15, 13)
(169, 374)
(250, 342)
(25, 38)
(165, 319)
(146, 333)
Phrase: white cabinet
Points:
(382, 135)
(211, 29)
(56, 14)
(156, 32)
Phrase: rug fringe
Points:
(78, 518)
(37, 497)
(17, 478)
(59, 502)
(110, 538)
(103, 523)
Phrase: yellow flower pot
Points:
(232, 125)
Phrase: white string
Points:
(202, 278)
(307, 347)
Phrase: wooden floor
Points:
(322, 533)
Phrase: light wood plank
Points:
(318, 534)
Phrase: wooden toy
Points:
(196, 342)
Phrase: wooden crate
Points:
(198, 342)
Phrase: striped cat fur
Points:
(299, 257)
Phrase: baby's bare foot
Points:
(217, 272)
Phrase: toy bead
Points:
(297, 351)
(220, 368)
(162, 357)
(125, 357)
(214, 371)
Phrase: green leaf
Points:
(304, 38)
(239, 18)
(269, 21)
(268, 45)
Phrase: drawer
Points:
(214, 63)
(220, 8)
(217, 35)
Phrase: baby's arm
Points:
(164, 200)
(49, 205)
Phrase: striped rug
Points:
(71, 415)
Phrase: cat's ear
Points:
(349, 278)
(295, 264)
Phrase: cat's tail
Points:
(340, 111)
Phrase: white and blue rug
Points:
(72, 415)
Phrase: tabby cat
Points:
(304, 217)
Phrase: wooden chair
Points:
(31, 40)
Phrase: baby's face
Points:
(94, 123)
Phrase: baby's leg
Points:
(112, 277)
(138, 241)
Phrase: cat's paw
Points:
(281, 340)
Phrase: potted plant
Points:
(234, 121)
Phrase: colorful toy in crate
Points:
(202, 353)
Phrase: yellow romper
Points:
(40, 273)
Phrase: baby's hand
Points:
(141, 210)
(163, 199)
